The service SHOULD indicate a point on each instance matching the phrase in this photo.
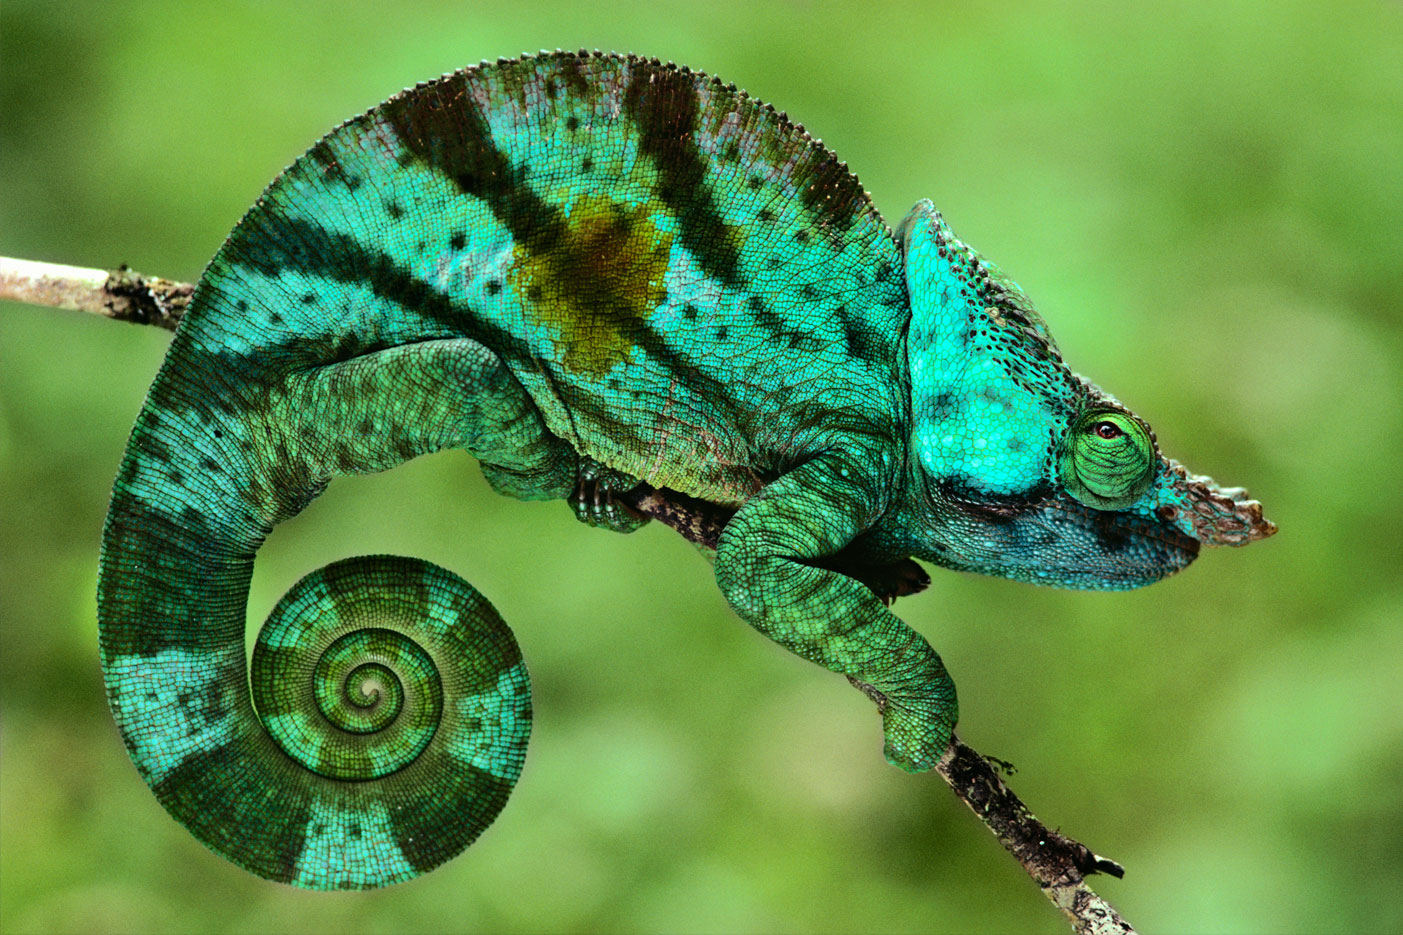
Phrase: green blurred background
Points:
(1206, 202)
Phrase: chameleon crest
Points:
(611, 281)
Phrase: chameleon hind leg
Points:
(769, 565)
(374, 412)
(280, 792)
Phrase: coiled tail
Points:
(390, 707)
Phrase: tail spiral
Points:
(393, 709)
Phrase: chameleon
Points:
(626, 285)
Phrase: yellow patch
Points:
(598, 284)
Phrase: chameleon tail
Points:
(392, 705)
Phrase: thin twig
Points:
(119, 293)
(1058, 864)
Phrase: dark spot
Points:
(493, 287)
(533, 292)
(275, 318)
(458, 241)
(211, 465)
(442, 125)
(721, 333)
(394, 210)
(354, 828)
(321, 154)
(572, 124)
(663, 105)
(689, 312)
(177, 477)
(153, 448)
(1109, 533)
(808, 292)
(309, 298)
(586, 164)
(573, 70)
(241, 305)
(754, 182)
(801, 236)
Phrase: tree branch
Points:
(119, 293)
(1058, 864)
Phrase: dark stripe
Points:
(237, 802)
(662, 102)
(443, 127)
(1000, 509)
(863, 341)
(164, 584)
(435, 822)
(832, 193)
(307, 247)
(322, 155)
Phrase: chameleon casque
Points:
(614, 282)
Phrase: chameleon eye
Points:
(1106, 460)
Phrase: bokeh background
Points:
(1205, 200)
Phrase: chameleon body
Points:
(601, 276)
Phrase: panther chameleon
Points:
(615, 282)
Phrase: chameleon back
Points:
(664, 263)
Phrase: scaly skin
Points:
(594, 273)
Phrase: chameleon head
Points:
(1020, 467)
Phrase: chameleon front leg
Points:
(769, 565)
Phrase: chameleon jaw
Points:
(1213, 515)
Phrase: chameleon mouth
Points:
(1211, 514)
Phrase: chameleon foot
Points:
(594, 502)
